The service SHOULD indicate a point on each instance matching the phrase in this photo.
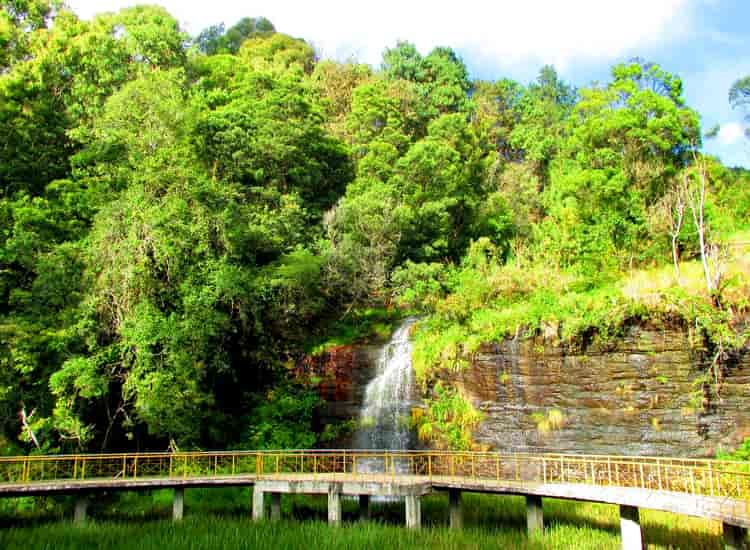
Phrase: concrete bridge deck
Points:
(715, 490)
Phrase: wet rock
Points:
(635, 396)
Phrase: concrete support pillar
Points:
(275, 506)
(178, 503)
(259, 507)
(534, 514)
(735, 538)
(81, 509)
(630, 528)
(456, 512)
(334, 505)
(413, 512)
(364, 507)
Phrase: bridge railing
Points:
(694, 476)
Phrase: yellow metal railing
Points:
(692, 476)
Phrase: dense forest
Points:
(183, 218)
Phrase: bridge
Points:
(711, 489)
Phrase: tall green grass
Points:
(219, 518)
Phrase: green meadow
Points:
(220, 518)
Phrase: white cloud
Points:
(507, 31)
(731, 133)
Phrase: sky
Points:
(706, 42)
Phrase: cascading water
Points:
(384, 418)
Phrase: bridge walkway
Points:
(716, 490)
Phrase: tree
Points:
(496, 113)
(218, 40)
(441, 79)
(335, 83)
(19, 22)
(270, 135)
(674, 204)
(48, 101)
(208, 40)
(628, 141)
(278, 52)
(739, 97)
(541, 111)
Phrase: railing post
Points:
(692, 481)
(711, 479)
(609, 470)
(124, 467)
(497, 466)
(135, 467)
(562, 470)
(75, 468)
(643, 481)
(429, 465)
(658, 473)
(544, 470)
(617, 472)
(718, 483)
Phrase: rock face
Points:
(343, 373)
(637, 397)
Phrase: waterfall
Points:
(384, 418)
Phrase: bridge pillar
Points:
(80, 512)
(275, 506)
(630, 528)
(413, 512)
(534, 514)
(259, 507)
(334, 505)
(735, 537)
(364, 507)
(178, 503)
(456, 512)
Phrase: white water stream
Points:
(389, 397)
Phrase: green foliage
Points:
(284, 420)
(739, 96)
(740, 453)
(441, 78)
(448, 419)
(362, 325)
(217, 40)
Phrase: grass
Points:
(371, 324)
(492, 302)
(219, 518)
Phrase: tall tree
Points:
(739, 98)
(216, 39)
